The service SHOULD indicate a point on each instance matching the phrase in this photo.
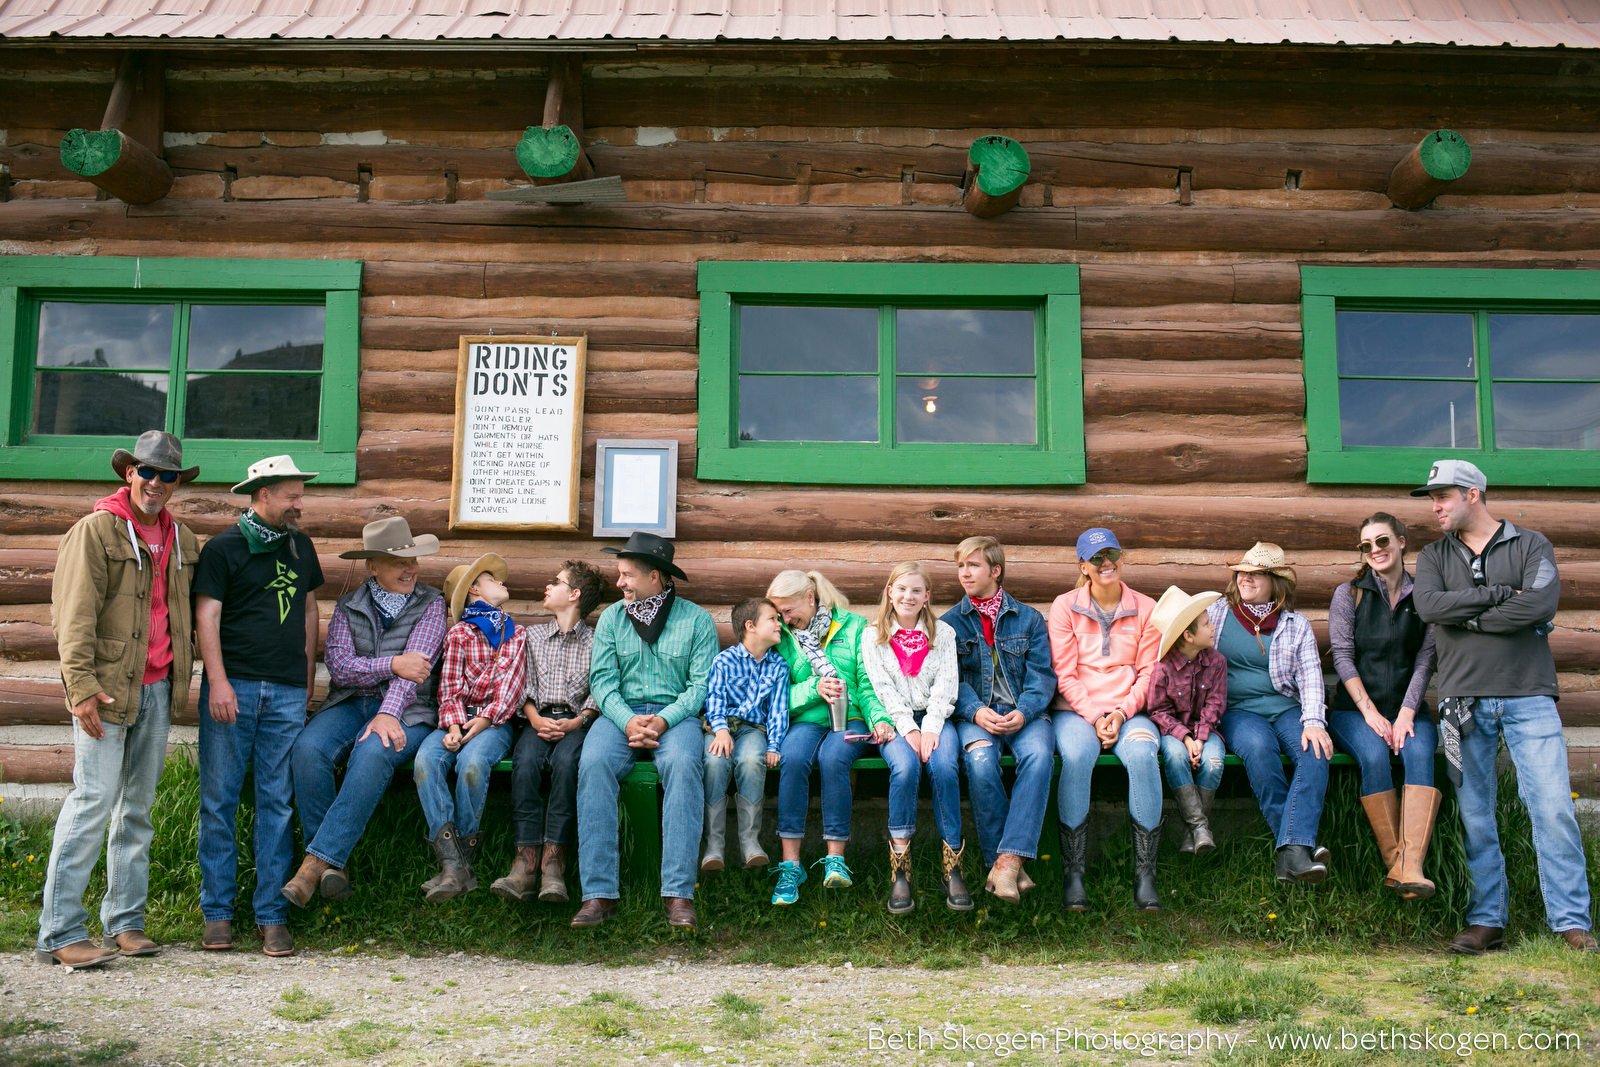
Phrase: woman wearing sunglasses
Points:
(1384, 655)
(1104, 649)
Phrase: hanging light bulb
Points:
(929, 405)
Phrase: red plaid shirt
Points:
(1187, 696)
(478, 681)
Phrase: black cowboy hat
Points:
(650, 549)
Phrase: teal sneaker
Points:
(790, 875)
(835, 875)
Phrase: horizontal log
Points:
(427, 334)
(43, 702)
(36, 764)
(1177, 340)
(27, 641)
(1195, 394)
(1177, 459)
(1139, 285)
(431, 391)
(427, 454)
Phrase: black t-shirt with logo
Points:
(263, 600)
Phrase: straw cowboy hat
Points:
(650, 550)
(1265, 557)
(270, 471)
(460, 579)
(158, 449)
(391, 537)
(1175, 611)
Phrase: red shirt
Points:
(158, 660)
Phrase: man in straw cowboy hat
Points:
(1187, 694)
(119, 606)
(256, 617)
(383, 640)
(481, 686)
(1491, 590)
(649, 669)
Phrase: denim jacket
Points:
(1024, 645)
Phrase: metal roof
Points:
(1522, 23)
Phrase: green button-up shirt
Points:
(625, 672)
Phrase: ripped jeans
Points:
(1136, 747)
(1010, 825)
(1175, 758)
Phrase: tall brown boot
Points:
(520, 882)
(303, 885)
(1421, 808)
(553, 889)
(1383, 812)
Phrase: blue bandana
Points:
(496, 625)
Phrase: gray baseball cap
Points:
(1457, 472)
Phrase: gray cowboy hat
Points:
(392, 537)
(158, 449)
(650, 550)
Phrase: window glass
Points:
(255, 337)
(1402, 414)
(1545, 346)
(85, 402)
(1405, 344)
(955, 341)
(792, 340)
(1546, 415)
(784, 407)
(105, 336)
(253, 406)
(965, 410)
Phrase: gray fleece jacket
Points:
(1490, 631)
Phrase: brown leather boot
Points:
(334, 884)
(1383, 812)
(594, 912)
(303, 886)
(135, 943)
(1421, 808)
(217, 936)
(518, 884)
(1580, 940)
(553, 872)
(275, 941)
(1476, 940)
(680, 912)
(76, 956)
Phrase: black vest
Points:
(1387, 643)
(370, 641)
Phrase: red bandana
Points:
(988, 612)
(1247, 618)
(910, 648)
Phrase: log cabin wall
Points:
(1189, 183)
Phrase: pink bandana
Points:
(910, 648)
(989, 609)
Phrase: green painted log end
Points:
(90, 152)
(548, 153)
(1002, 164)
(1445, 155)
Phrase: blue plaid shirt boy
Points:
(757, 692)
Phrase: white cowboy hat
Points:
(1175, 611)
(271, 470)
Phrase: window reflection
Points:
(783, 407)
(819, 340)
(1547, 415)
(1408, 414)
(253, 406)
(1405, 344)
(963, 341)
(114, 336)
(1544, 346)
(965, 411)
(86, 402)
(255, 337)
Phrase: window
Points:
(866, 373)
(239, 358)
(1406, 366)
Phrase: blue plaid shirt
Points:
(743, 688)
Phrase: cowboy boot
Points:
(1383, 812)
(901, 897)
(1024, 883)
(1002, 880)
(957, 897)
(716, 834)
(303, 886)
(519, 882)
(451, 881)
(1146, 843)
(470, 844)
(553, 875)
(755, 857)
(1421, 808)
(1074, 854)
(1198, 841)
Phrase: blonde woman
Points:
(911, 661)
(822, 643)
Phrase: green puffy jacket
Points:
(843, 648)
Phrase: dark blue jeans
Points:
(1353, 736)
(1008, 824)
(1292, 808)
(806, 745)
(944, 774)
(259, 741)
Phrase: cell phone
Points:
(851, 739)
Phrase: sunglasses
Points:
(1106, 555)
(150, 474)
(1381, 541)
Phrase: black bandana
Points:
(649, 616)
(1456, 721)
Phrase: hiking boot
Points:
(790, 876)
(520, 883)
(1074, 854)
(901, 897)
(303, 886)
(1146, 843)
(957, 897)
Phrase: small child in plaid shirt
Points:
(747, 713)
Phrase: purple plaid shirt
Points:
(371, 676)
(1188, 696)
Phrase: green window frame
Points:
(1057, 457)
(27, 281)
(1325, 291)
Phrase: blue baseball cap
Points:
(1092, 541)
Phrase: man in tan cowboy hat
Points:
(119, 605)
(256, 617)
(383, 640)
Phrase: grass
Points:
(606, 1013)
(364, 1040)
(741, 1017)
(301, 1007)
(1223, 990)
(56, 1054)
(1226, 900)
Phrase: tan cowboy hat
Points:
(1265, 557)
(271, 470)
(392, 537)
(1175, 611)
(460, 579)
(155, 448)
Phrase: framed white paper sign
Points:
(635, 487)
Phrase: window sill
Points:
(222, 462)
(1409, 466)
(939, 465)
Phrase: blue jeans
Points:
(1353, 736)
(806, 745)
(606, 760)
(271, 716)
(333, 822)
(1532, 732)
(1136, 747)
(1292, 808)
(1175, 758)
(113, 785)
(747, 766)
(905, 776)
(472, 763)
(1008, 825)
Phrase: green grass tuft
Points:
(1223, 990)
(301, 1007)
(741, 1016)
(364, 1040)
